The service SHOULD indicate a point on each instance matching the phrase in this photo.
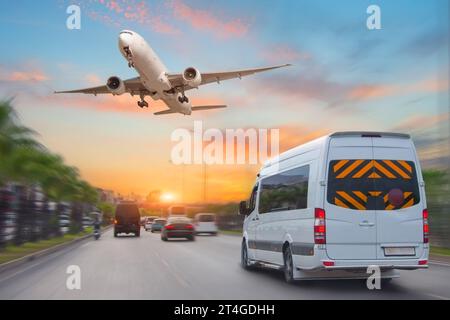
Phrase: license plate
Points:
(400, 251)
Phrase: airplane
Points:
(157, 82)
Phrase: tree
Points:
(31, 165)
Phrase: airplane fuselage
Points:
(152, 71)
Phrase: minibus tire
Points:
(288, 265)
(244, 257)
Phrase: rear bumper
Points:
(410, 264)
(126, 228)
(206, 231)
(179, 234)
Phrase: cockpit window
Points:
(127, 32)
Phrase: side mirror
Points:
(243, 209)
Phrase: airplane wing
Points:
(133, 86)
(198, 108)
(209, 77)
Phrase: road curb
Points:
(39, 254)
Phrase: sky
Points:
(344, 77)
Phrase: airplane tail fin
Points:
(198, 108)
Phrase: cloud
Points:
(431, 137)
(422, 122)
(205, 20)
(108, 103)
(292, 135)
(31, 75)
(427, 43)
(314, 84)
(368, 92)
(93, 79)
(283, 53)
(119, 13)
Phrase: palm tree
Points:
(25, 161)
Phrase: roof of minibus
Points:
(322, 141)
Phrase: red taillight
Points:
(328, 263)
(423, 262)
(169, 227)
(426, 226)
(189, 226)
(115, 221)
(320, 229)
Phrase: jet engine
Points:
(115, 85)
(192, 77)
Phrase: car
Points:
(148, 221)
(337, 205)
(178, 227)
(127, 219)
(205, 223)
(157, 225)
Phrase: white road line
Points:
(437, 296)
(175, 274)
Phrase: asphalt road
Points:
(147, 268)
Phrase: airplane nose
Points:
(125, 38)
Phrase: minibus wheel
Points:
(245, 262)
(288, 265)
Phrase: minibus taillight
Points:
(319, 227)
(328, 263)
(426, 226)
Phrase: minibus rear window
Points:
(372, 184)
(206, 218)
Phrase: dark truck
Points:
(127, 219)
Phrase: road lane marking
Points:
(175, 274)
(437, 296)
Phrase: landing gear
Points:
(183, 99)
(143, 104)
(131, 64)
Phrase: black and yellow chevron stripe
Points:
(374, 169)
(365, 184)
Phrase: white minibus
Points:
(335, 206)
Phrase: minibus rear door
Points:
(349, 204)
(399, 209)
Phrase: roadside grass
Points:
(440, 251)
(12, 252)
